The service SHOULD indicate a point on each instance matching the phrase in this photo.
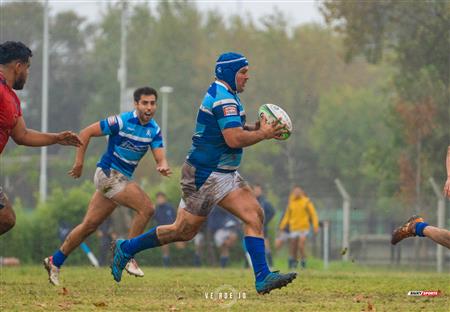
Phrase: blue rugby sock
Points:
(223, 261)
(144, 241)
(59, 258)
(255, 247)
(420, 226)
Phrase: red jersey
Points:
(10, 111)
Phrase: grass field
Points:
(89, 289)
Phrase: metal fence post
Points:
(345, 220)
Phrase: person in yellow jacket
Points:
(299, 215)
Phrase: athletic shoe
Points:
(408, 229)
(133, 268)
(274, 280)
(53, 271)
(120, 259)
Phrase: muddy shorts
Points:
(200, 201)
(110, 182)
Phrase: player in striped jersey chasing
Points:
(131, 134)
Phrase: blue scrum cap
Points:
(227, 66)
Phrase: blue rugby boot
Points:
(120, 259)
(274, 280)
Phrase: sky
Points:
(297, 12)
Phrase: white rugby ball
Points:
(274, 113)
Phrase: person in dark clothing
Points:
(224, 227)
(269, 213)
(165, 214)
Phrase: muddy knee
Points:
(186, 234)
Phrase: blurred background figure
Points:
(105, 235)
(299, 215)
(282, 234)
(165, 214)
(199, 243)
(269, 213)
(224, 228)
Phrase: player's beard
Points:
(19, 83)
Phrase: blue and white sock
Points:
(255, 247)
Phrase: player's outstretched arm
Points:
(24, 136)
(447, 183)
(93, 130)
(162, 166)
(238, 137)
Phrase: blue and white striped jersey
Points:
(209, 152)
(128, 141)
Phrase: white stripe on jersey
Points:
(225, 101)
(228, 167)
(131, 162)
(133, 137)
(119, 119)
(205, 110)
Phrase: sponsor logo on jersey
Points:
(230, 110)
(132, 147)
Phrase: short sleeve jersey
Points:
(128, 141)
(220, 110)
(10, 111)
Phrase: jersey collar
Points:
(221, 84)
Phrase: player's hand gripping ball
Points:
(274, 113)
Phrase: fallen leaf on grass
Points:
(100, 304)
(173, 308)
(64, 306)
(42, 305)
(358, 298)
(370, 307)
(64, 291)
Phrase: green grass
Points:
(89, 289)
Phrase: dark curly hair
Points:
(144, 91)
(14, 50)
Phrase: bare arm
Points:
(447, 183)
(252, 126)
(24, 136)
(159, 154)
(238, 137)
(93, 130)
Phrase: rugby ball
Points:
(273, 113)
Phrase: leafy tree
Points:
(414, 38)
